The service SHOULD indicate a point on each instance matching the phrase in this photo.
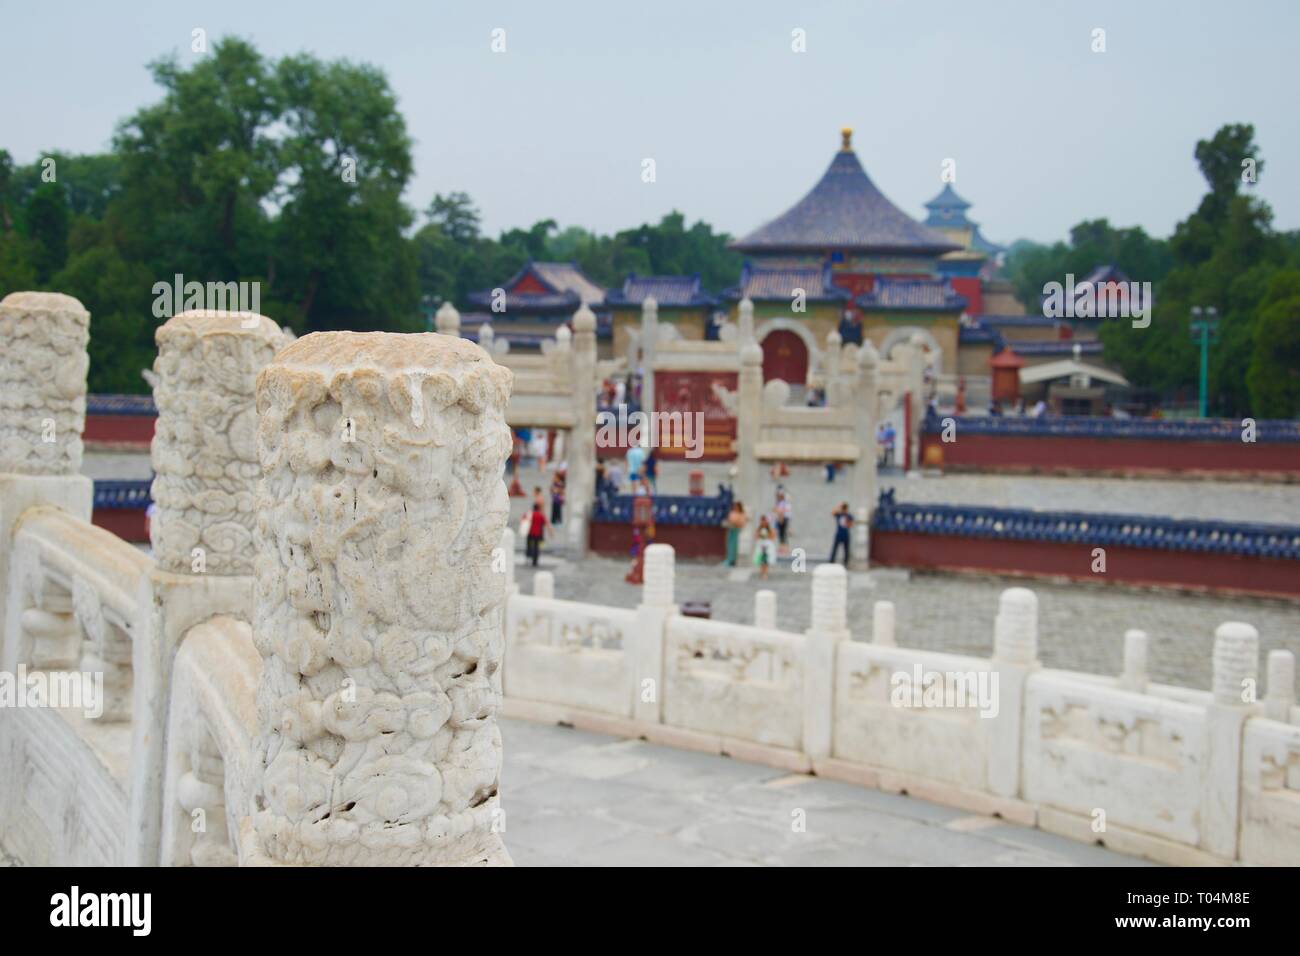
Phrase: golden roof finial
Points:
(847, 134)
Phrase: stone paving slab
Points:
(576, 798)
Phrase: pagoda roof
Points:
(845, 211)
(979, 243)
(1102, 274)
(668, 291)
(761, 282)
(564, 285)
(947, 209)
(912, 294)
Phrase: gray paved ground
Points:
(574, 798)
(577, 798)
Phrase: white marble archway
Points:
(900, 336)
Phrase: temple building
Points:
(842, 258)
(977, 261)
(682, 302)
(529, 306)
(845, 257)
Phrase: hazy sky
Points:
(1045, 132)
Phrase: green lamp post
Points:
(1204, 329)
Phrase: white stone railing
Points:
(211, 735)
(71, 602)
(1177, 775)
(563, 652)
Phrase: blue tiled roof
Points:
(668, 291)
(1059, 347)
(845, 211)
(947, 209)
(120, 405)
(1084, 426)
(668, 509)
(1280, 542)
(119, 494)
(567, 287)
(980, 244)
(911, 294)
(760, 282)
(980, 335)
(1103, 273)
(1022, 321)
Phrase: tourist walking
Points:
(652, 470)
(782, 511)
(843, 522)
(734, 522)
(764, 541)
(635, 461)
(537, 525)
(557, 497)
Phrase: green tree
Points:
(1274, 372)
(47, 221)
(344, 162)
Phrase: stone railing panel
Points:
(1270, 793)
(916, 712)
(564, 652)
(1137, 759)
(734, 680)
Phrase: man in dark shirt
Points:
(843, 522)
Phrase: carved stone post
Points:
(652, 614)
(1235, 687)
(580, 481)
(1015, 657)
(378, 612)
(649, 343)
(882, 624)
(765, 609)
(863, 489)
(1281, 685)
(447, 320)
(204, 456)
(1134, 677)
(749, 406)
(43, 365)
(829, 626)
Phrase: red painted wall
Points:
(689, 541)
(973, 289)
(126, 523)
(1230, 574)
(691, 392)
(120, 429)
(1115, 455)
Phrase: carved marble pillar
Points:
(829, 626)
(378, 612)
(204, 455)
(580, 487)
(882, 624)
(1015, 657)
(43, 365)
(649, 343)
(204, 448)
(1280, 693)
(1134, 676)
(749, 408)
(1235, 684)
(863, 490)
